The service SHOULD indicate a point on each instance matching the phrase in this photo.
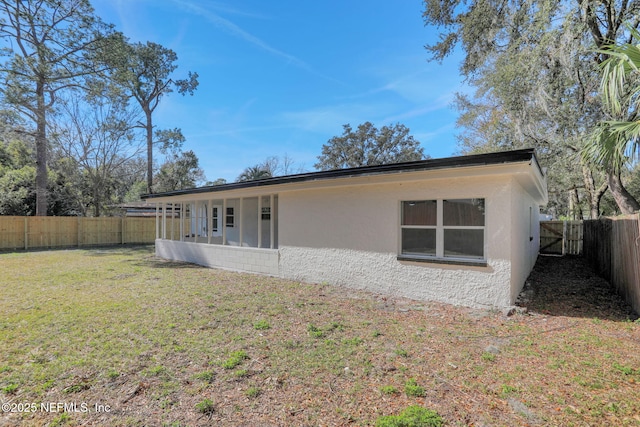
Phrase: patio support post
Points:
(224, 221)
(209, 220)
(271, 228)
(196, 228)
(240, 220)
(259, 221)
(173, 220)
(157, 221)
(164, 221)
(182, 213)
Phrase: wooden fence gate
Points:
(561, 237)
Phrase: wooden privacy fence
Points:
(561, 237)
(20, 232)
(612, 246)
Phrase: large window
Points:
(447, 228)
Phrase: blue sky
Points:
(282, 77)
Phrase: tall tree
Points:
(50, 46)
(536, 77)
(146, 70)
(179, 172)
(368, 146)
(98, 141)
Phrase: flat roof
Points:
(515, 156)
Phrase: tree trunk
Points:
(149, 129)
(625, 201)
(41, 152)
(96, 202)
(594, 196)
(575, 210)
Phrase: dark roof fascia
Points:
(488, 159)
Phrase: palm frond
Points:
(613, 144)
(617, 71)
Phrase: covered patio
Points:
(239, 233)
(242, 221)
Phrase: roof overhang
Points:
(522, 164)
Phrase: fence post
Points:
(26, 233)
(79, 230)
(122, 224)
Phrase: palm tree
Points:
(615, 143)
(254, 172)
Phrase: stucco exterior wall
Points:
(346, 230)
(525, 237)
(264, 261)
(382, 273)
(350, 236)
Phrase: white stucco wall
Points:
(525, 237)
(383, 273)
(346, 231)
(350, 236)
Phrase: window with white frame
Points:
(266, 213)
(216, 219)
(443, 228)
(230, 218)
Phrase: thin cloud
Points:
(238, 32)
(443, 102)
(397, 85)
(329, 119)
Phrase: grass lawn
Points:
(117, 337)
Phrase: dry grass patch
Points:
(171, 344)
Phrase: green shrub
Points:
(205, 407)
(207, 376)
(624, 369)
(252, 392)
(413, 416)
(240, 373)
(261, 325)
(235, 359)
(412, 389)
(314, 331)
(10, 389)
(353, 341)
(388, 389)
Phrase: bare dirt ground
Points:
(568, 286)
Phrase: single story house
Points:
(461, 230)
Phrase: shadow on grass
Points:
(91, 250)
(153, 262)
(144, 256)
(110, 250)
(568, 286)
